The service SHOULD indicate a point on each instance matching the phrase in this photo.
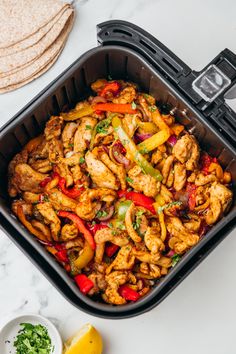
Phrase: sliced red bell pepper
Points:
(59, 246)
(128, 294)
(67, 267)
(45, 181)
(73, 192)
(115, 107)
(111, 249)
(205, 162)
(94, 228)
(84, 283)
(62, 256)
(192, 191)
(81, 227)
(110, 87)
(139, 199)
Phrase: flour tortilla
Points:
(34, 38)
(30, 71)
(16, 86)
(19, 19)
(15, 62)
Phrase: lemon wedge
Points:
(87, 340)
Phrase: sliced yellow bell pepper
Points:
(147, 127)
(76, 114)
(154, 141)
(133, 151)
(85, 257)
(160, 202)
(158, 120)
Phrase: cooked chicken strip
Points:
(152, 270)
(27, 207)
(100, 174)
(123, 261)
(130, 123)
(42, 166)
(180, 176)
(53, 127)
(144, 183)
(68, 135)
(153, 241)
(220, 200)
(118, 170)
(60, 201)
(187, 151)
(50, 218)
(83, 134)
(167, 168)
(179, 232)
(129, 218)
(13, 184)
(90, 201)
(147, 257)
(68, 232)
(127, 95)
(28, 179)
(104, 235)
(114, 281)
(202, 179)
(30, 197)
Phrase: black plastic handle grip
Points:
(125, 33)
(218, 111)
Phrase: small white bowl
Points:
(10, 330)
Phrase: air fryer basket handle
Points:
(132, 36)
(218, 112)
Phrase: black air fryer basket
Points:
(127, 52)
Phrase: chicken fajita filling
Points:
(117, 191)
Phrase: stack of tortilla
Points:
(32, 36)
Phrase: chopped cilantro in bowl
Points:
(33, 339)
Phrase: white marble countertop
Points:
(200, 315)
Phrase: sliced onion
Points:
(45, 243)
(115, 153)
(143, 136)
(98, 99)
(183, 197)
(110, 211)
(145, 117)
(172, 140)
(171, 253)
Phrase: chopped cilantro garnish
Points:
(33, 339)
(144, 150)
(130, 180)
(175, 259)
(101, 213)
(103, 125)
(166, 206)
(45, 198)
(81, 160)
(140, 212)
(133, 105)
(88, 127)
(71, 145)
(137, 223)
(152, 108)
